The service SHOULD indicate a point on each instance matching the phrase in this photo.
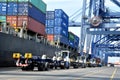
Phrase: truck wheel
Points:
(23, 68)
(67, 65)
(46, 66)
(62, 67)
(39, 67)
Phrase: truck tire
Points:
(24, 69)
(40, 67)
(67, 65)
(46, 66)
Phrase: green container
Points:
(2, 18)
(23, 0)
(3, 0)
(37, 3)
(43, 7)
(71, 36)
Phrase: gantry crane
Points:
(98, 25)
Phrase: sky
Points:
(71, 6)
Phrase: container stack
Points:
(57, 26)
(73, 40)
(29, 13)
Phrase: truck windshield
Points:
(64, 54)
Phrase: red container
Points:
(12, 20)
(31, 24)
(36, 26)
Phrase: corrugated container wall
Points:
(3, 7)
(36, 14)
(37, 3)
(59, 13)
(3, 18)
(12, 8)
(57, 24)
(61, 38)
(3, 0)
(73, 40)
(60, 31)
(49, 30)
(50, 15)
(50, 38)
(50, 23)
(31, 24)
(71, 36)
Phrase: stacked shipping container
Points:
(57, 26)
(30, 12)
(73, 40)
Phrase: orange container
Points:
(50, 37)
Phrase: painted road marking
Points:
(113, 74)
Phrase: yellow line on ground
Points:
(113, 74)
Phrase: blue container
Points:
(76, 41)
(23, 9)
(61, 23)
(49, 30)
(36, 14)
(3, 7)
(71, 43)
(60, 31)
(61, 38)
(59, 13)
(30, 10)
(50, 15)
(50, 23)
(12, 8)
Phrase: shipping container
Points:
(59, 13)
(61, 38)
(37, 3)
(23, 0)
(23, 9)
(29, 9)
(3, 18)
(71, 36)
(36, 26)
(36, 14)
(76, 41)
(50, 37)
(31, 24)
(71, 43)
(12, 20)
(12, 8)
(50, 15)
(3, 7)
(50, 23)
(3, 0)
(60, 31)
(49, 30)
(61, 23)
(12, 0)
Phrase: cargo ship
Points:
(26, 27)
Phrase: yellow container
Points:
(16, 55)
(28, 55)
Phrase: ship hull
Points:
(10, 44)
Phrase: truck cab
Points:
(64, 60)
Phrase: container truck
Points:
(63, 60)
(29, 62)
